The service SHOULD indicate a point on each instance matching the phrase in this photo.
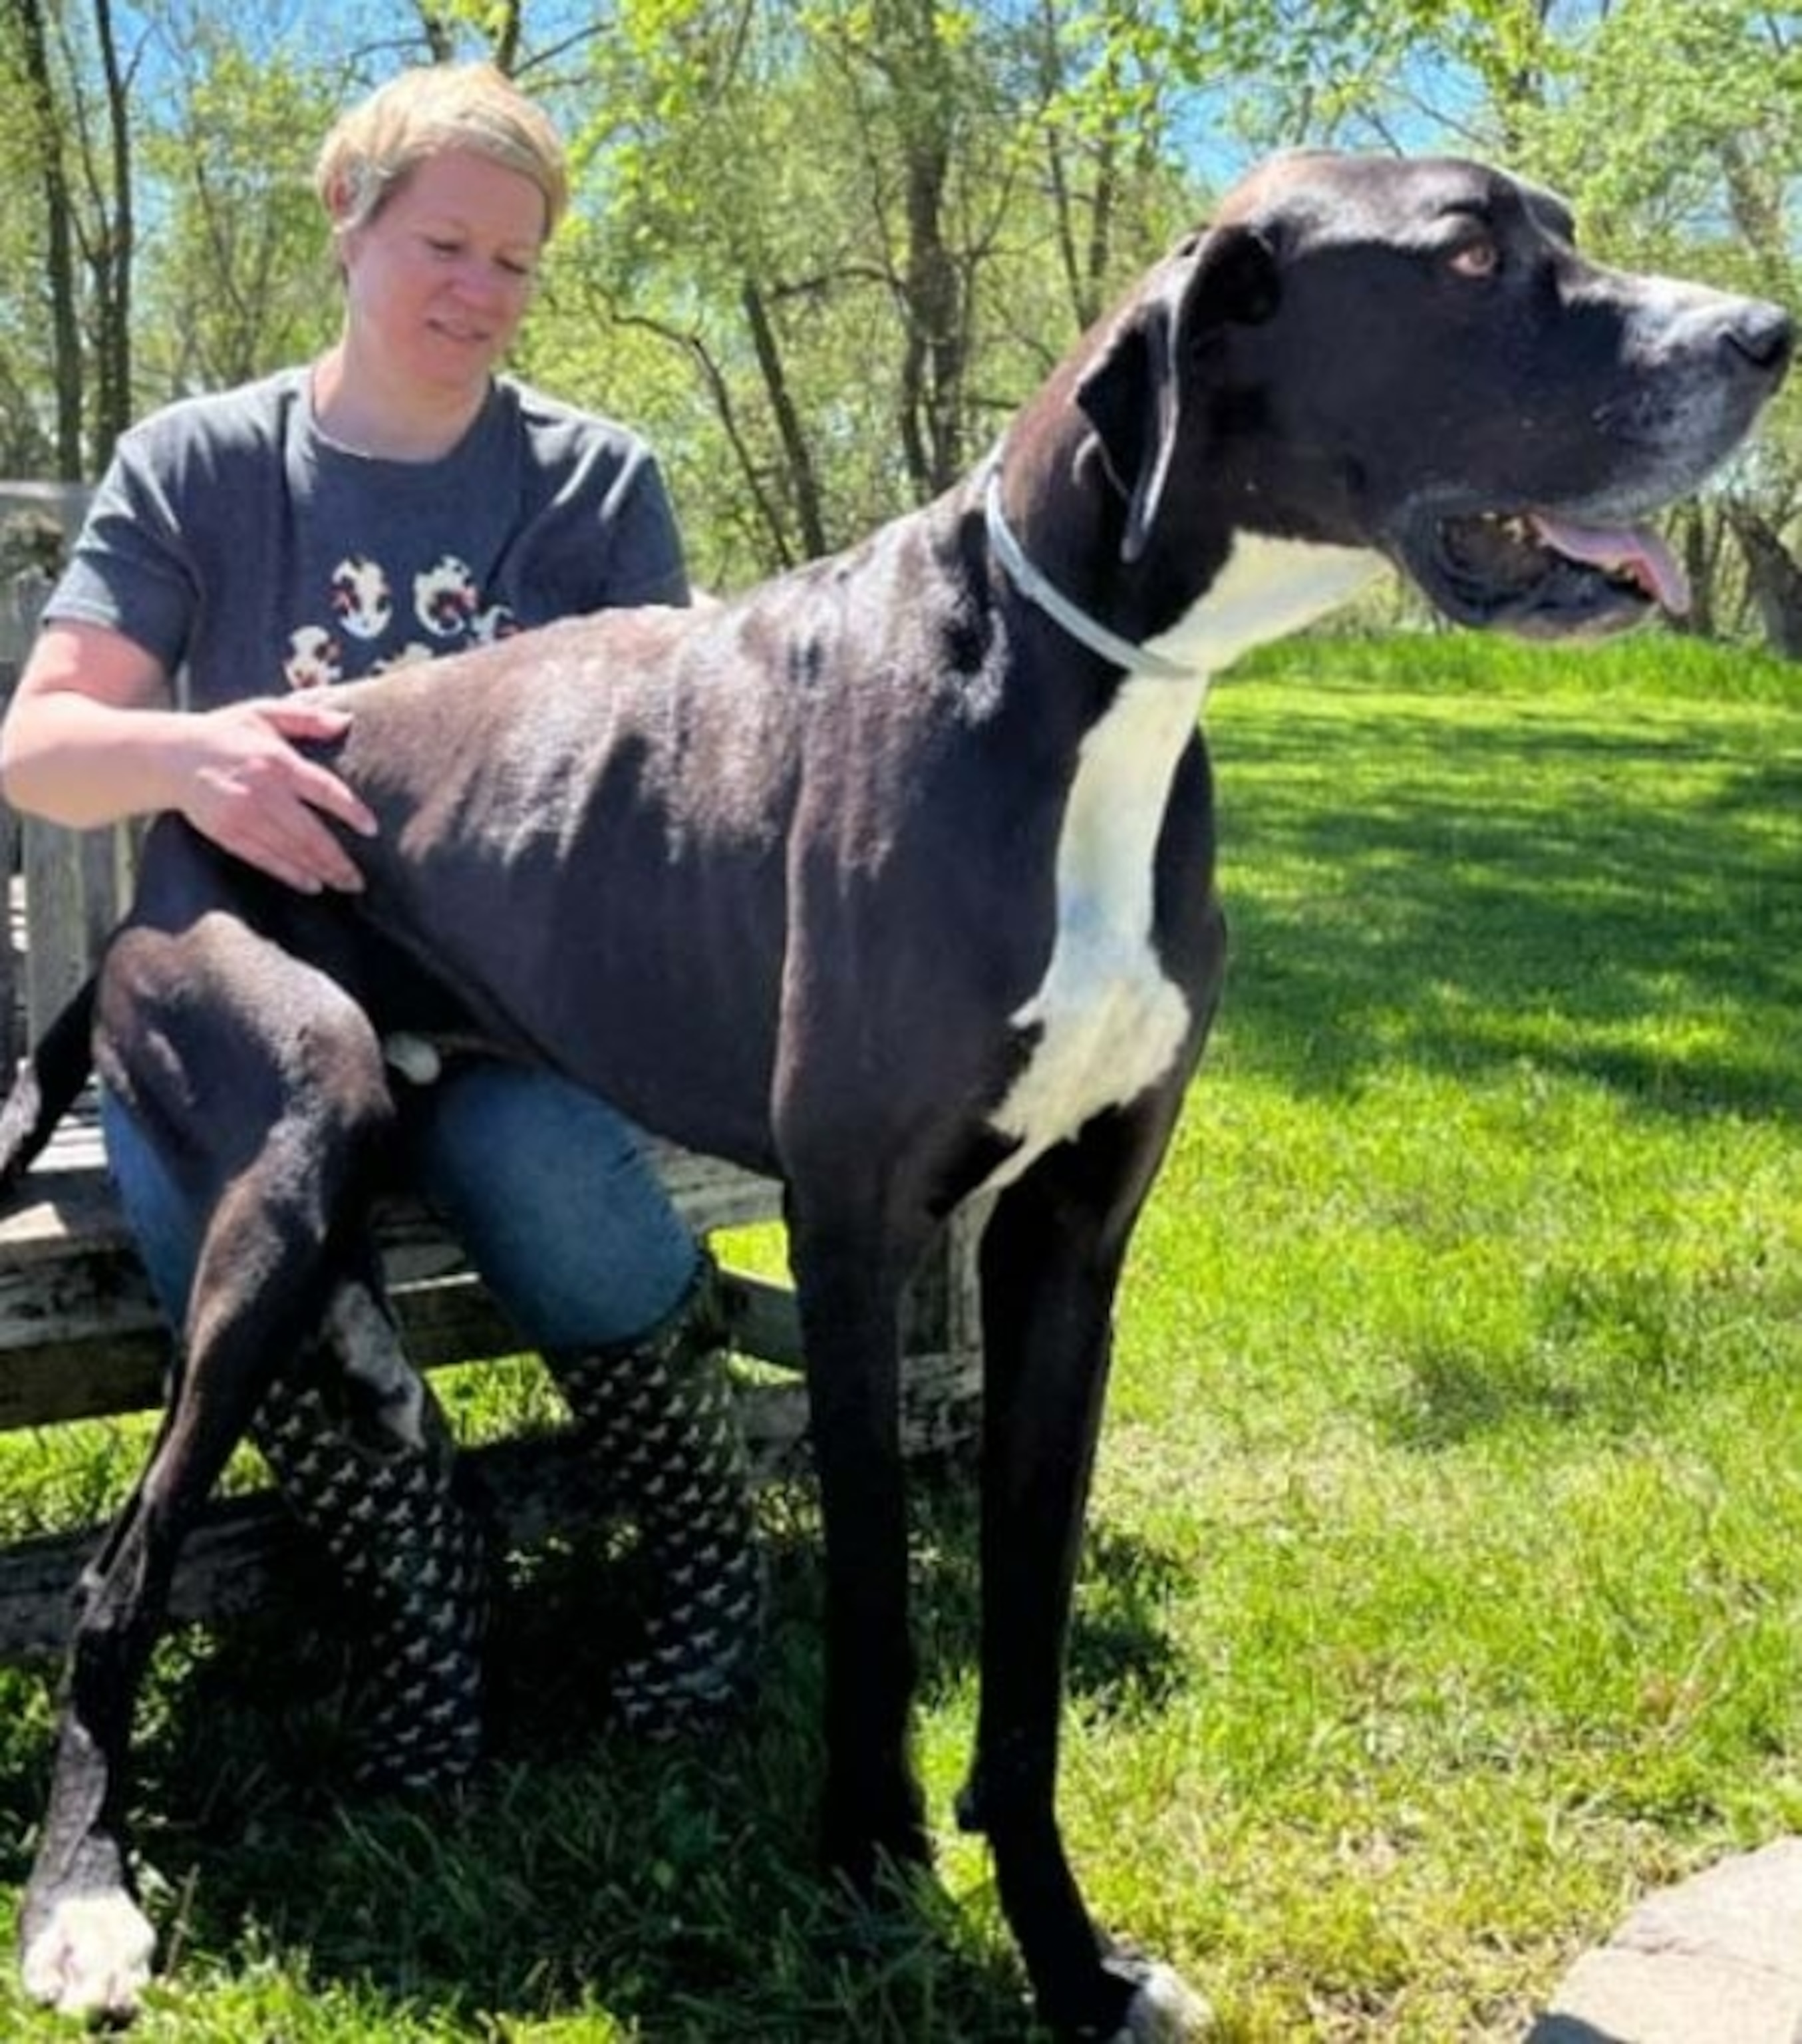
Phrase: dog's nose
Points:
(1763, 335)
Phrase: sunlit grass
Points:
(1445, 1584)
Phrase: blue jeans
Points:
(545, 1186)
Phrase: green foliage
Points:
(863, 234)
(820, 252)
(238, 273)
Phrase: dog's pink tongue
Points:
(1641, 554)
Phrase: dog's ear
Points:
(1133, 391)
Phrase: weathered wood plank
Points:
(245, 1548)
(12, 953)
(80, 1334)
(57, 954)
(81, 1337)
(64, 1209)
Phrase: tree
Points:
(70, 78)
(859, 316)
(1673, 129)
(109, 245)
(36, 124)
(238, 279)
(820, 250)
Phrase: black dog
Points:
(893, 878)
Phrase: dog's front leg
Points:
(1051, 1260)
(849, 1283)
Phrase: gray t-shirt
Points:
(233, 540)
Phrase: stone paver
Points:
(1716, 1960)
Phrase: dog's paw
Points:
(1163, 2011)
(870, 1851)
(90, 1957)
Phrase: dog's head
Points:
(1410, 356)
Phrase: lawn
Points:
(1444, 1589)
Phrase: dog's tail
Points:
(49, 1077)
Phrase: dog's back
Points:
(690, 800)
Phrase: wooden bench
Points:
(80, 1338)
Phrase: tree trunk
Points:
(1774, 578)
(114, 253)
(804, 479)
(66, 364)
(909, 46)
(937, 348)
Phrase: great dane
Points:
(893, 878)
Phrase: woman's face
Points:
(437, 283)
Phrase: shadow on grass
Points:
(675, 1886)
(1451, 1397)
(1463, 894)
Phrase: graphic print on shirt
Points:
(314, 658)
(360, 595)
(369, 631)
(444, 597)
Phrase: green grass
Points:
(1445, 1584)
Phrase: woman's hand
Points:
(92, 735)
(240, 781)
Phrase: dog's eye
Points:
(1478, 257)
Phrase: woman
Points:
(392, 500)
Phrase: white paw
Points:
(1164, 2011)
(91, 1958)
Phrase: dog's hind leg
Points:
(258, 1290)
(86, 1946)
(1051, 1260)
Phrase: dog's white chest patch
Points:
(1109, 1022)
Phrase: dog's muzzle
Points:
(1568, 570)
(1539, 575)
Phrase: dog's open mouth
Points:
(1541, 575)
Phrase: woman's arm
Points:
(92, 735)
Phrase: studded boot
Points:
(656, 1417)
(363, 1454)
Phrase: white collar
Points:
(1033, 586)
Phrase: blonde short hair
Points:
(375, 146)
